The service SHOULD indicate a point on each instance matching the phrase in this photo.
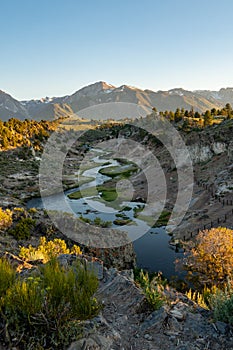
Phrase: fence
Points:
(214, 223)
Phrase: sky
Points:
(55, 47)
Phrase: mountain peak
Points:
(95, 88)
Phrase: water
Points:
(152, 248)
(155, 254)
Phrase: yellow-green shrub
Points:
(7, 276)
(45, 308)
(152, 289)
(5, 218)
(22, 229)
(47, 250)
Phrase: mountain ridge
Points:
(50, 108)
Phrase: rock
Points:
(221, 327)
(177, 314)
(91, 264)
(155, 319)
(93, 342)
(148, 337)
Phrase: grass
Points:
(108, 193)
(114, 171)
(97, 221)
(137, 210)
(148, 219)
(86, 166)
(163, 219)
(122, 221)
(87, 192)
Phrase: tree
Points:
(197, 115)
(229, 111)
(208, 118)
(214, 111)
(191, 112)
(178, 116)
(211, 256)
(171, 116)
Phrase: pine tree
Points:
(208, 118)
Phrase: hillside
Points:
(126, 318)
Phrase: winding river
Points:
(153, 250)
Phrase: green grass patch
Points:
(127, 208)
(137, 210)
(148, 219)
(87, 192)
(114, 171)
(163, 219)
(122, 221)
(97, 221)
(86, 166)
(108, 193)
(84, 180)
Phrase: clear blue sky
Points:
(54, 47)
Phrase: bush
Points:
(7, 276)
(22, 229)
(152, 289)
(45, 309)
(47, 250)
(222, 304)
(210, 258)
(5, 218)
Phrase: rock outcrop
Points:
(127, 322)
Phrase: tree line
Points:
(195, 118)
(20, 133)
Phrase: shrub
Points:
(7, 276)
(47, 250)
(69, 292)
(202, 298)
(222, 304)
(5, 218)
(210, 257)
(152, 289)
(22, 229)
(45, 309)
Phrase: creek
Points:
(153, 251)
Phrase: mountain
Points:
(47, 108)
(9, 107)
(224, 95)
(101, 93)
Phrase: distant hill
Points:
(9, 107)
(101, 93)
